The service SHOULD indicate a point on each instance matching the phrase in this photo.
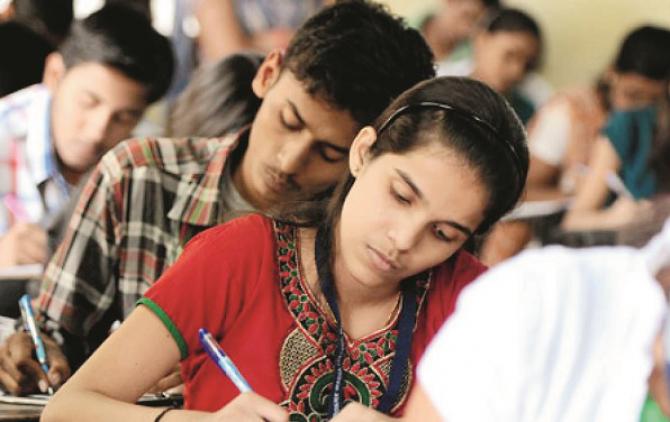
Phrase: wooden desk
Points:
(19, 412)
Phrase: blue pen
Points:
(30, 324)
(222, 360)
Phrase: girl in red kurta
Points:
(326, 308)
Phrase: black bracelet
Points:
(163, 412)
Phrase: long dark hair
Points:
(462, 114)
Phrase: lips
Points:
(381, 261)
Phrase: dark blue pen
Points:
(222, 360)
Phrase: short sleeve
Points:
(210, 283)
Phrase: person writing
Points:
(327, 305)
(149, 197)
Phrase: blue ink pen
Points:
(30, 324)
(222, 360)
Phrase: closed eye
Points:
(400, 198)
(439, 233)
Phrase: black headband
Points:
(509, 146)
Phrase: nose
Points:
(98, 125)
(293, 155)
(405, 234)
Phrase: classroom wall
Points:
(581, 36)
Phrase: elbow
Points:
(56, 410)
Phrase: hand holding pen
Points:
(248, 405)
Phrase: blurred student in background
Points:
(507, 47)
(563, 133)
(630, 160)
(96, 87)
(218, 100)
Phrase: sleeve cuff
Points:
(172, 328)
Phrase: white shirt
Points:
(551, 335)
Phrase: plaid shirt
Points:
(31, 186)
(143, 202)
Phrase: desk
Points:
(19, 412)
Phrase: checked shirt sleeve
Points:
(79, 283)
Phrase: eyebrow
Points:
(338, 148)
(460, 227)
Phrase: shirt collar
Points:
(198, 196)
(42, 158)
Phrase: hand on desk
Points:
(21, 374)
(24, 243)
(249, 407)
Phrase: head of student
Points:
(507, 48)
(445, 161)
(105, 73)
(343, 66)
(218, 99)
(641, 70)
(457, 19)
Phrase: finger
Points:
(268, 410)
(20, 348)
(31, 251)
(168, 382)
(59, 367)
(9, 383)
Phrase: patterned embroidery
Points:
(306, 366)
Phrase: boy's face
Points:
(93, 108)
(503, 58)
(298, 143)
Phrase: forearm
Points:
(72, 406)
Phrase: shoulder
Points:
(460, 270)
(14, 109)
(179, 156)
(237, 236)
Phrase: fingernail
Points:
(43, 386)
(54, 378)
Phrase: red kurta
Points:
(242, 282)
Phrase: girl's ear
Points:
(360, 148)
(267, 74)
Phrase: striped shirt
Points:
(143, 202)
(31, 187)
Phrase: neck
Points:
(71, 177)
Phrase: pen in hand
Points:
(29, 320)
(222, 360)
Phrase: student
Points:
(505, 50)
(95, 89)
(562, 135)
(218, 100)
(562, 334)
(149, 197)
(291, 300)
(633, 149)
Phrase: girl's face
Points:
(503, 58)
(405, 213)
(631, 90)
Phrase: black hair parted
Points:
(122, 38)
(645, 51)
(358, 56)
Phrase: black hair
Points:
(218, 100)
(122, 38)
(49, 18)
(460, 113)
(25, 52)
(359, 57)
(645, 51)
(514, 20)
